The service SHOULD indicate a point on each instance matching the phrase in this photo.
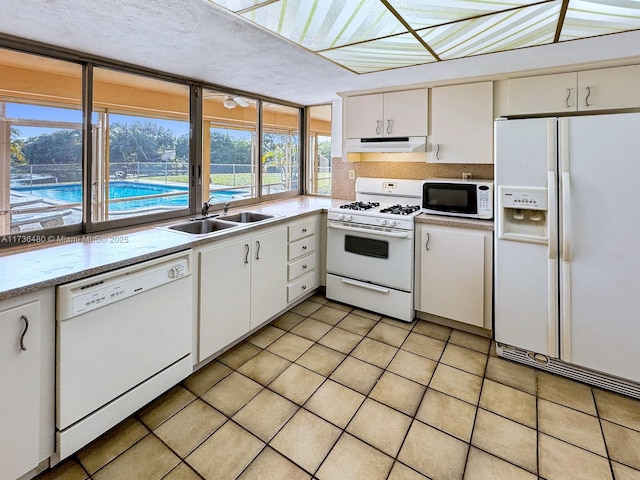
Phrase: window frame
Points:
(196, 121)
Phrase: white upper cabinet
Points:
(609, 88)
(462, 123)
(603, 89)
(543, 94)
(392, 114)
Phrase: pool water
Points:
(72, 193)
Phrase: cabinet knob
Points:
(304, 230)
(304, 247)
(304, 287)
(304, 267)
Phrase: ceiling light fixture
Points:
(230, 103)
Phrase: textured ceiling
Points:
(204, 41)
(373, 35)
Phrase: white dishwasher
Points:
(123, 338)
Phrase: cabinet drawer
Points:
(301, 286)
(302, 229)
(301, 266)
(302, 247)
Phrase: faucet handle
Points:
(226, 207)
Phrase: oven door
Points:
(383, 256)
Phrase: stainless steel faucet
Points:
(205, 207)
(226, 207)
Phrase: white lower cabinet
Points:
(242, 283)
(453, 273)
(303, 269)
(27, 362)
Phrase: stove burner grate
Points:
(360, 205)
(401, 209)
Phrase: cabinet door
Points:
(452, 274)
(405, 113)
(268, 275)
(225, 282)
(609, 88)
(462, 123)
(543, 94)
(20, 400)
(364, 116)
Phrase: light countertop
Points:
(65, 259)
(445, 221)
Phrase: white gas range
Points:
(370, 247)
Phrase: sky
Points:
(36, 112)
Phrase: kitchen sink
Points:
(247, 217)
(202, 226)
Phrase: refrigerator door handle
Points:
(565, 334)
(552, 222)
(566, 217)
(552, 278)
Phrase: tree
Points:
(226, 149)
(182, 148)
(59, 148)
(280, 152)
(16, 148)
(139, 142)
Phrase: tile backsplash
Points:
(342, 187)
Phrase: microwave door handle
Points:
(337, 226)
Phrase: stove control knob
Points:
(349, 218)
(383, 222)
(340, 217)
(392, 223)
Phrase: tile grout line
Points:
(343, 431)
(604, 439)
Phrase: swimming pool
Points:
(72, 193)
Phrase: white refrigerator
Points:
(567, 248)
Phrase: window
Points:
(319, 141)
(229, 132)
(280, 149)
(40, 143)
(140, 133)
(133, 157)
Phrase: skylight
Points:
(372, 35)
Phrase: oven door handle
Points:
(365, 285)
(338, 226)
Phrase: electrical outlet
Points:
(352, 174)
(466, 176)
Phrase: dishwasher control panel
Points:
(90, 294)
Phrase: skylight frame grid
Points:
(586, 18)
(366, 57)
(491, 33)
(420, 14)
(322, 24)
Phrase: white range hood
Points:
(387, 145)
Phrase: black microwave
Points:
(458, 198)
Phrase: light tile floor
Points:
(330, 392)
